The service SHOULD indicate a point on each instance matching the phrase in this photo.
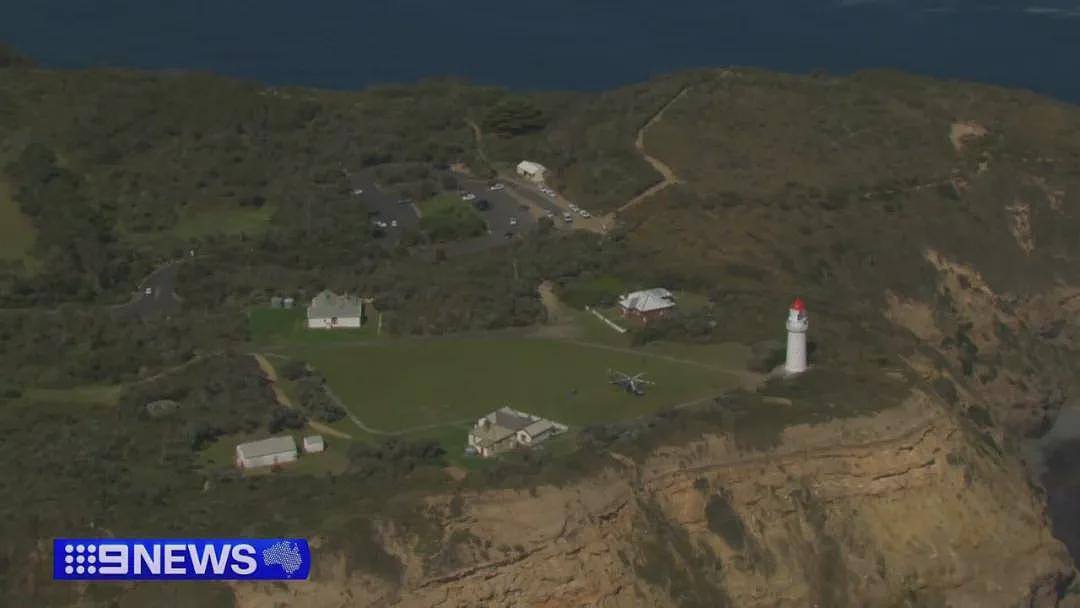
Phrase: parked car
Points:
(509, 235)
(567, 217)
(482, 204)
(468, 196)
(496, 187)
(148, 291)
(393, 223)
(358, 192)
(573, 207)
(585, 214)
(513, 221)
(405, 201)
(549, 214)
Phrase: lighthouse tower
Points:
(797, 324)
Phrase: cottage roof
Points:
(529, 166)
(266, 447)
(539, 428)
(329, 304)
(313, 440)
(648, 300)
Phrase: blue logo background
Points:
(94, 559)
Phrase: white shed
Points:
(266, 452)
(532, 171)
(313, 444)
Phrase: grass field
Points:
(271, 327)
(16, 231)
(398, 385)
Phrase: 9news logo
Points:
(180, 559)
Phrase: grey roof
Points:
(329, 304)
(313, 440)
(266, 447)
(539, 428)
(511, 420)
(503, 423)
(648, 300)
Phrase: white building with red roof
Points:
(797, 326)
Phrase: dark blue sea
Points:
(564, 44)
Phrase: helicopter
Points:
(635, 385)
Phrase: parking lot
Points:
(511, 210)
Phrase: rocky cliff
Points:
(906, 507)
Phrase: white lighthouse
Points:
(797, 324)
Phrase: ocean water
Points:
(562, 44)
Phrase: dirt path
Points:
(478, 135)
(669, 177)
(283, 399)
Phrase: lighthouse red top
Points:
(798, 305)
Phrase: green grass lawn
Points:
(395, 385)
(16, 231)
(272, 327)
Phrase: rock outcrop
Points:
(912, 504)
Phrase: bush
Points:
(283, 417)
(294, 369)
(724, 521)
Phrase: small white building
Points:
(507, 428)
(329, 310)
(266, 452)
(314, 444)
(534, 172)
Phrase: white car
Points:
(468, 196)
(393, 223)
(497, 187)
(513, 221)
(567, 217)
(148, 291)
(358, 192)
(549, 214)
(573, 207)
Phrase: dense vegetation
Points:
(832, 188)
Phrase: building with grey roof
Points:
(266, 452)
(329, 310)
(646, 305)
(507, 428)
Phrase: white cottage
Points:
(531, 171)
(329, 310)
(266, 452)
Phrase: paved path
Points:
(669, 177)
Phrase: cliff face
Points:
(909, 505)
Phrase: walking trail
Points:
(669, 177)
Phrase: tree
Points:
(514, 117)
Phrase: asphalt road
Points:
(162, 299)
